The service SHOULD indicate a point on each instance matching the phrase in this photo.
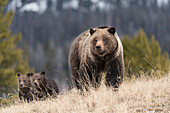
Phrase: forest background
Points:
(36, 35)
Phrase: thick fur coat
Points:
(25, 87)
(94, 53)
(42, 87)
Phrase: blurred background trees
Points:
(12, 59)
(49, 27)
(143, 54)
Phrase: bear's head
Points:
(24, 81)
(38, 79)
(103, 40)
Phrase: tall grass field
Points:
(137, 95)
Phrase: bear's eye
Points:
(104, 39)
(33, 79)
(38, 79)
(95, 40)
(19, 80)
(24, 81)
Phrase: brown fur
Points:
(94, 52)
(24, 87)
(43, 87)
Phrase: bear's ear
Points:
(43, 73)
(30, 74)
(112, 30)
(18, 74)
(92, 31)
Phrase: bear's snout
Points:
(98, 48)
(21, 85)
(35, 84)
(99, 45)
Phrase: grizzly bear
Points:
(25, 87)
(43, 87)
(96, 52)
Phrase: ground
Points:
(142, 95)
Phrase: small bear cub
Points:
(25, 87)
(43, 87)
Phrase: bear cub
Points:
(42, 87)
(25, 87)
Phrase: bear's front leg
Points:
(20, 95)
(114, 73)
(87, 75)
(77, 82)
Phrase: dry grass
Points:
(146, 95)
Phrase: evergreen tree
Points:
(144, 54)
(12, 60)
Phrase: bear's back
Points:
(51, 84)
(77, 45)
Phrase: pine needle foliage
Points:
(144, 54)
(12, 60)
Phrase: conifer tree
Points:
(12, 60)
(143, 54)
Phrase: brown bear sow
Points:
(43, 87)
(94, 52)
(24, 87)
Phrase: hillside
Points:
(137, 95)
(48, 27)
